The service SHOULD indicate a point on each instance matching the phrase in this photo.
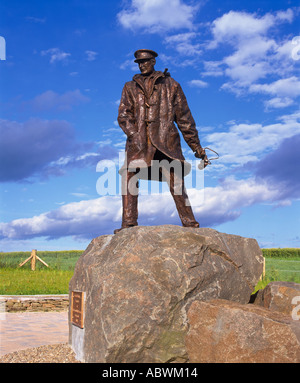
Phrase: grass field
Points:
(23, 281)
(283, 269)
(55, 279)
(27, 282)
(278, 269)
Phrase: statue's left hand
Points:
(200, 153)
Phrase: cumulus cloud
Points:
(225, 202)
(90, 218)
(285, 87)
(278, 102)
(238, 26)
(243, 143)
(259, 55)
(81, 219)
(157, 15)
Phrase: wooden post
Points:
(23, 263)
(263, 276)
(39, 259)
(33, 257)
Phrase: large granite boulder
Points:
(139, 284)
(228, 332)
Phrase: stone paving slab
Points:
(19, 331)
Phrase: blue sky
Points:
(60, 85)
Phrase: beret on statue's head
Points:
(144, 54)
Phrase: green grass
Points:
(27, 282)
(16, 280)
(286, 269)
(283, 269)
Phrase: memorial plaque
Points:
(77, 307)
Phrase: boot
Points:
(130, 212)
(182, 203)
(123, 227)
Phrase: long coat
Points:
(147, 115)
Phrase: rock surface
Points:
(228, 332)
(140, 283)
(279, 296)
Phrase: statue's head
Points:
(146, 60)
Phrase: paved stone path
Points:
(19, 331)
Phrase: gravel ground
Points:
(54, 353)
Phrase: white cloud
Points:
(79, 195)
(287, 15)
(198, 83)
(258, 53)
(249, 62)
(56, 55)
(213, 68)
(232, 195)
(90, 218)
(91, 55)
(286, 87)
(247, 142)
(75, 219)
(130, 64)
(278, 102)
(284, 51)
(182, 42)
(157, 15)
(235, 26)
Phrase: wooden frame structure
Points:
(33, 257)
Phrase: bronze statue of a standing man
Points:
(149, 106)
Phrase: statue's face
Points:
(147, 66)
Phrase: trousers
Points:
(177, 189)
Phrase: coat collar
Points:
(139, 79)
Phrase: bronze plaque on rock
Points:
(77, 307)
